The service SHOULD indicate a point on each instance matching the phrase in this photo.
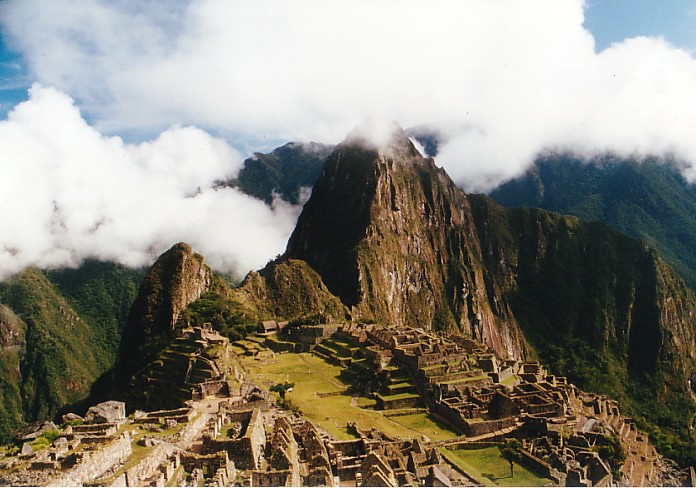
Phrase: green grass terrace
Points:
(488, 467)
(321, 394)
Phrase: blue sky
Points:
(13, 79)
(614, 20)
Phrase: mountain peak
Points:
(388, 138)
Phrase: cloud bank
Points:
(501, 80)
(68, 193)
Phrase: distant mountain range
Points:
(285, 171)
(648, 199)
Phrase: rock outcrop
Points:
(393, 237)
(177, 278)
(111, 412)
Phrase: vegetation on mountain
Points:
(284, 171)
(600, 308)
(177, 278)
(60, 331)
(102, 294)
(647, 199)
(290, 289)
(221, 307)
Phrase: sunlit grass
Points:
(312, 375)
(490, 468)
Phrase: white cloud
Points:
(68, 193)
(502, 80)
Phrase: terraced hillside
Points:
(195, 358)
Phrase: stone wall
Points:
(538, 466)
(95, 463)
(209, 464)
(469, 446)
(147, 467)
(270, 478)
(311, 334)
(387, 404)
(470, 427)
(213, 388)
(486, 426)
(246, 452)
(191, 429)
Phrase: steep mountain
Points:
(178, 278)
(393, 237)
(597, 305)
(102, 294)
(53, 341)
(285, 171)
(12, 337)
(648, 199)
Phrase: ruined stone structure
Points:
(235, 435)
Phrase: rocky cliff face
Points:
(576, 286)
(393, 237)
(12, 337)
(178, 278)
(12, 331)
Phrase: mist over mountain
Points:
(288, 171)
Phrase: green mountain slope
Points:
(647, 200)
(600, 308)
(101, 294)
(61, 331)
(285, 170)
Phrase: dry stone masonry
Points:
(234, 435)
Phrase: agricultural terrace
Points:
(313, 377)
(489, 467)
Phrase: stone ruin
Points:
(234, 435)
